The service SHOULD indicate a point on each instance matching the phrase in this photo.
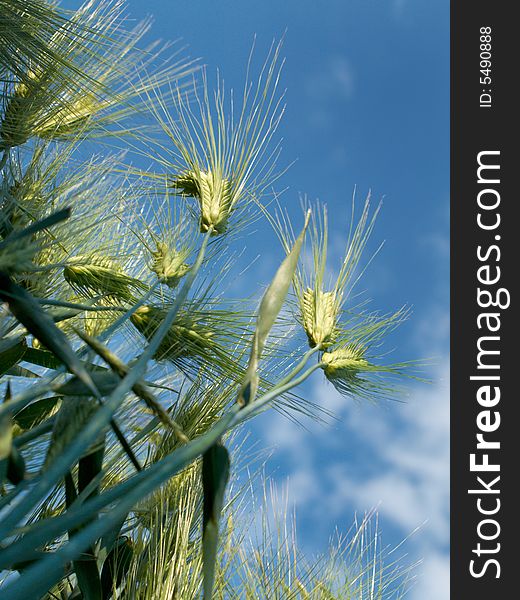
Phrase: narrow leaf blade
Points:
(269, 310)
(11, 355)
(215, 475)
(116, 566)
(37, 322)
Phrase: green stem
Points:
(78, 306)
(260, 403)
(300, 365)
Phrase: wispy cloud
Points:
(332, 84)
(334, 80)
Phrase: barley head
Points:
(319, 311)
(93, 275)
(215, 197)
(169, 263)
(344, 363)
(185, 338)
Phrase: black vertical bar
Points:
(485, 127)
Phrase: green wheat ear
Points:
(319, 313)
(354, 363)
(326, 294)
(165, 230)
(214, 194)
(344, 362)
(348, 341)
(98, 275)
(205, 337)
(186, 337)
(218, 154)
(169, 264)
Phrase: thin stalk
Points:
(260, 403)
(299, 366)
(78, 306)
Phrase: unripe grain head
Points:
(215, 197)
(99, 275)
(319, 312)
(168, 264)
(344, 363)
(185, 338)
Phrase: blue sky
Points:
(367, 106)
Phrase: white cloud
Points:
(433, 578)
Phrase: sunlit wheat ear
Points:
(354, 364)
(319, 313)
(344, 362)
(321, 295)
(166, 232)
(69, 120)
(220, 150)
(169, 264)
(204, 336)
(36, 107)
(97, 275)
(23, 119)
(214, 195)
(52, 102)
(185, 338)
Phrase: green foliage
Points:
(124, 367)
(215, 475)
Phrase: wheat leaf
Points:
(37, 322)
(270, 307)
(215, 475)
(116, 566)
(11, 355)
